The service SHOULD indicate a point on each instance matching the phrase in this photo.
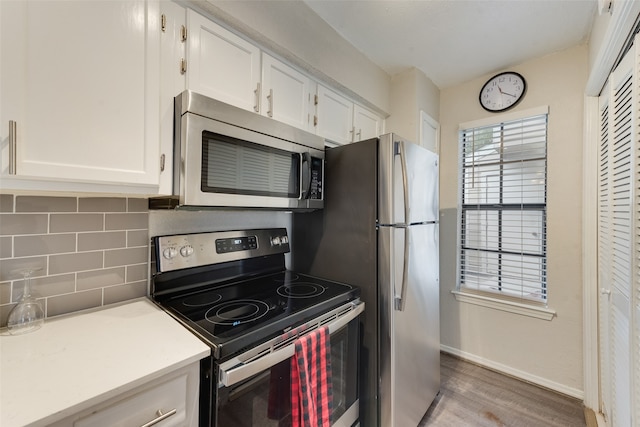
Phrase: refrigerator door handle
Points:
(399, 300)
(400, 149)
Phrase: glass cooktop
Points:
(246, 312)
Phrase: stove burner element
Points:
(201, 300)
(301, 290)
(233, 313)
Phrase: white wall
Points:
(411, 91)
(292, 30)
(548, 352)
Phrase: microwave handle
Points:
(305, 186)
(233, 371)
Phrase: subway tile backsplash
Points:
(90, 251)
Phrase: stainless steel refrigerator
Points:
(379, 231)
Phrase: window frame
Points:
(530, 307)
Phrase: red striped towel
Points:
(311, 390)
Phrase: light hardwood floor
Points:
(473, 396)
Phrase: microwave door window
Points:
(234, 166)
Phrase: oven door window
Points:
(234, 166)
(265, 399)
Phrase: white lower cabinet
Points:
(78, 88)
(171, 401)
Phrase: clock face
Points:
(502, 91)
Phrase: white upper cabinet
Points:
(222, 65)
(366, 123)
(285, 93)
(334, 116)
(79, 85)
(341, 121)
(173, 80)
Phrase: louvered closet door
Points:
(617, 234)
(604, 250)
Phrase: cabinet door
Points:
(172, 82)
(366, 123)
(429, 133)
(222, 65)
(335, 116)
(170, 401)
(80, 81)
(285, 93)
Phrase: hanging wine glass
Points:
(27, 315)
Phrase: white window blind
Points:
(503, 170)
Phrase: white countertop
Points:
(77, 361)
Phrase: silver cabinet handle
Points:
(256, 106)
(400, 300)
(13, 140)
(244, 366)
(359, 134)
(161, 417)
(270, 98)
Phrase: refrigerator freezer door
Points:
(408, 179)
(410, 338)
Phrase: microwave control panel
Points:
(315, 191)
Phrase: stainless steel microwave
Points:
(225, 156)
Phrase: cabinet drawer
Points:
(144, 407)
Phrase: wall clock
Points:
(502, 91)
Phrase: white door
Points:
(429, 133)
(285, 93)
(618, 240)
(80, 81)
(604, 254)
(222, 65)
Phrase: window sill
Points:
(510, 306)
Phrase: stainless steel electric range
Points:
(233, 291)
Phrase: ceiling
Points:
(454, 41)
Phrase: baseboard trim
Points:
(601, 421)
(516, 373)
(590, 418)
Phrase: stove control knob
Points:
(169, 253)
(186, 251)
(275, 241)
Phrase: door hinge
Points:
(163, 22)
(183, 34)
(183, 66)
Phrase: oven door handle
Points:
(235, 370)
